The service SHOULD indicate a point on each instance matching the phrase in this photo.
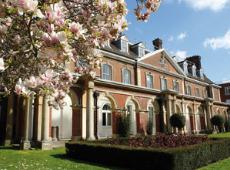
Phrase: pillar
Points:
(90, 111)
(37, 130)
(83, 115)
(25, 144)
(168, 114)
(46, 142)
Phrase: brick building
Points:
(148, 85)
(225, 92)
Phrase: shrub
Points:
(150, 128)
(227, 125)
(181, 158)
(123, 125)
(177, 121)
(218, 121)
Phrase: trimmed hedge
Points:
(181, 158)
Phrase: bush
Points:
(227, 125)
(181, 158)
(218, 121)
(123, 125)
(177, 121)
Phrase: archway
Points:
(153, 114)
(178, 109)
(105, 117)
(62, 119)
(188, 120)
(198, 119)
(131, 107)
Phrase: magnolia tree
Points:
(38, 38)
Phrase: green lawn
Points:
(220, 135)
(221, 165)
(41, 160)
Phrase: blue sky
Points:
(189, 27)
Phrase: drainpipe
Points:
(95, 96)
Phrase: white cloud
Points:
(180, 55)
(182, 36)
(218, 42)
(214, 5)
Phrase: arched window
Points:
(106, 115)
(106, 72)
(126, 75)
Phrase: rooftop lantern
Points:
(145, 8)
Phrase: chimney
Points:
(157, 43)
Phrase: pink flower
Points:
(31, 82)
(28, 5)
(2, 67)
(77, 29)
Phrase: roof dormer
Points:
(139, 49)
(124, 44)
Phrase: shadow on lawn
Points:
(66, 157)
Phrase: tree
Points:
(227, 125)
(218, 121)
(123, 125)
(177, 121)
(38, 38)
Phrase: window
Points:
(176, 86)
(227, 90)
(141, 52)
(188, 90)
(197, 91)
(149, 81)
(106, 72)
(126, 76)
(164, 84)
(124, 46)
(106, 115)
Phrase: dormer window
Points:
(194, 70)
(141, 51)
(124, 44)
(185, 67)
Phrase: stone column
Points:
(37, 130)
(46, 143)
(83, 115)
(208, 115)
(90, 111)
(26, 143)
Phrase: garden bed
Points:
(138, 156)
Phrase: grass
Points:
(220, 135)
(41, 160)
(221, 165)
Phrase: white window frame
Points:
(106, 76)
(197, 92)
(149, 85)
(124, 46)
(227, 90)
(176, 85)
(123, 76)
(107, 113)
(165, 87)
(188, 90)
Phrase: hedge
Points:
(181, 158)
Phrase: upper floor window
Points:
(176, 86)
(188, 90)
(141, 51)
(149, 81)
(197, 91)
(164, 84)
(124, 46)
(106, 72)
(126, 75)
(227, 90)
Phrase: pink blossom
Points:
(2, 67)
(77, 29)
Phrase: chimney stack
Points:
(157, 43)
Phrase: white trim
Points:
(150, 54)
